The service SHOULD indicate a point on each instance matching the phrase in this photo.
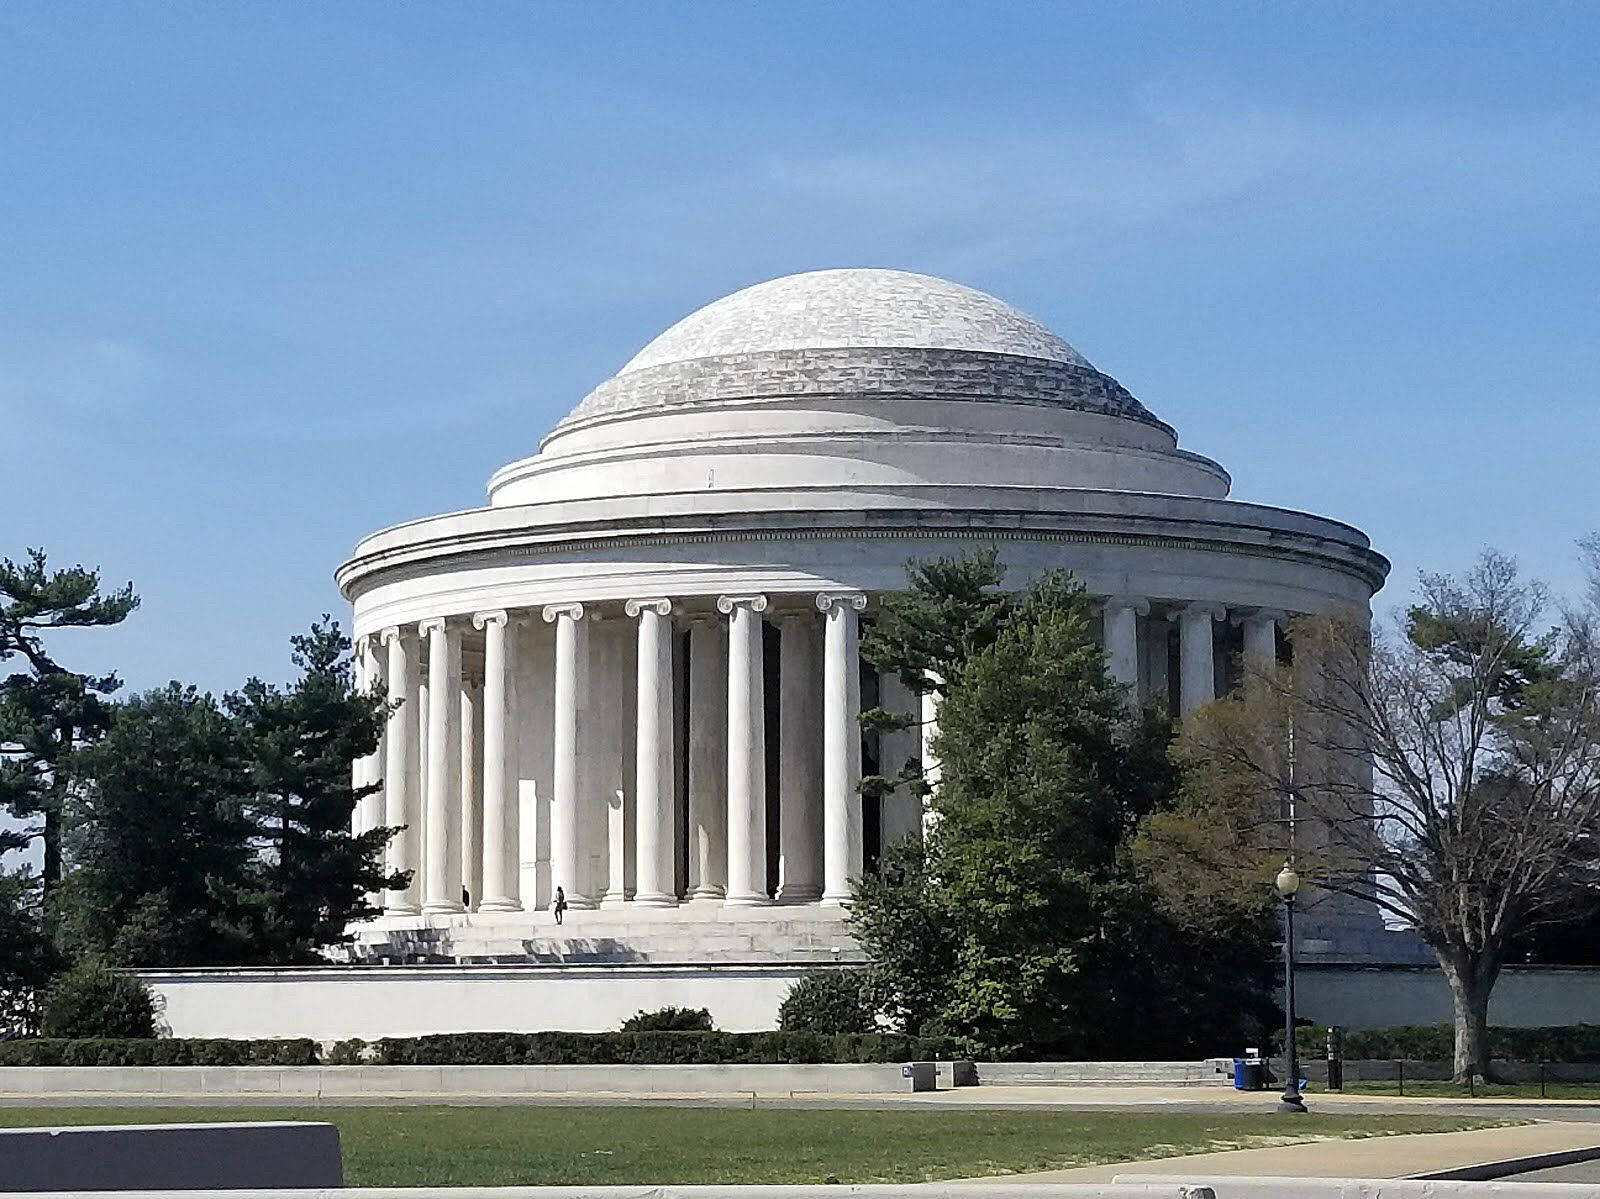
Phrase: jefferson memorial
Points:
(633, 674)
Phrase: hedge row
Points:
(1436, 1043)
(167, 1052)
(647, 1048)
(485, 1049)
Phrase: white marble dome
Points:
(860, 308)
(585, 668)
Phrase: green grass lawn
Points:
(498, 1146)
(1443, 1089)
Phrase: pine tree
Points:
(315, 876)
(47, 712)
(161, 839)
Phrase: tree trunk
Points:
(1471, 977)
(50, 875)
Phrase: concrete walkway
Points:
(1370, 1157)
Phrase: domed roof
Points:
(854, 309)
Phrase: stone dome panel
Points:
(858, 308)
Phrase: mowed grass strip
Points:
(538, 1145)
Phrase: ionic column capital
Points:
(1275, 616)
(727, 603)
(391, 635)
(499, 616)
(1198, 608)
(554, 611)
(1112, 603)
(660, 606)
(828, 600)
(434, 624)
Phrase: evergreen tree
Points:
(315, 876)
(26, 960)
(161, 841)
(47, 712)
(1023, 925)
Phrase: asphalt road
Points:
(1587, 1172)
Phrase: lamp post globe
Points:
(1288, 883)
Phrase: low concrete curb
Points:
(1504, 1168)
(1380, 1188)
(921, 1190)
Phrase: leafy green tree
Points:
(47, 712)
(314, 875)
(161, 843)
(1023, 924)
(93, 1000)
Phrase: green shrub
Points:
(828, 1001)
(1571, 1043)
(352, 1052)
(109, 1051)
(669, 1019)
(649, 1048)
(93, 1000)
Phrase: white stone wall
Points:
(408, 1001)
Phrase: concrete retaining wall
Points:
(336, 1002)
(779, 1079)
(1380, 996)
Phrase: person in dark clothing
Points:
(560, 905)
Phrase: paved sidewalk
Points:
(1369, 1157)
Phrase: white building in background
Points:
(634, 674)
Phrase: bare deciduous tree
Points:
(1446, 769)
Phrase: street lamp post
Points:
(1288, 883)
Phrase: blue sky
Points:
(275, 275)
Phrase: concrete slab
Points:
(1370, 1157)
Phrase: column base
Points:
(580, 903)
(754, 899)
(500, 905)
(654, 899)
(401, 909)
(797, 895)
(836, 901)
(707, 893)
(611, 899)
(442, 907)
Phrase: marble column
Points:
(470, 741)
(799, 742)
(708, 760)
(1261, 641)
(841, 745)
(1121, 615)
(747, 756)
(654, 760)
(441, 869)
(566, 864)
(400, 757)
(1197, 674)
(500, 810)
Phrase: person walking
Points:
(560, 905)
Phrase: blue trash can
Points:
(1249, 1074)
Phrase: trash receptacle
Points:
(1249, 1073)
